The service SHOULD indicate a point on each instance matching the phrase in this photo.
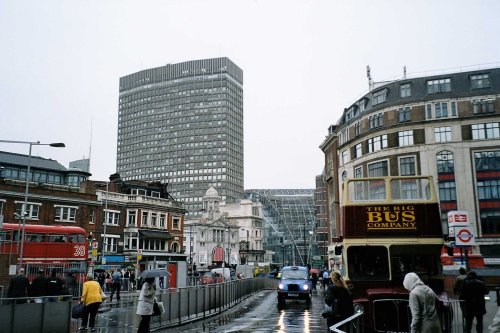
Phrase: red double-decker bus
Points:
(391, 226)
(45, 243)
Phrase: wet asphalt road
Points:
(259, 313)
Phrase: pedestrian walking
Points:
(472, 293)
(39, 286)
(116, 286)
(101, 278)
(462, 275)
(54, 286)
(326, 279)
(132, 280)
(108, 281)
(70, 284)
(424, 316)
(19, 287)
(145, 304)
(338, 297)
(126, 281)
(91, 297)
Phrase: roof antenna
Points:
(369, 75)
(90, 146)
(404, 72)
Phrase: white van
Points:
(224, 272)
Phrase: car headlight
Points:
(305, 287)
(281, 286)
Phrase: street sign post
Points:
(464, 236)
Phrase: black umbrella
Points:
(152, 273)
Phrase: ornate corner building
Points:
(446, 126)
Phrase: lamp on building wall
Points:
(26, 190)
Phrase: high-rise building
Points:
(182, 124)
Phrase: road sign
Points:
(95, 244)
(139, 256)
(94, 253)
(464, 236)
(458, 218)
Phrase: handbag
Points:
(331, 311)
(103, 295)
(77, 310)
(156, 309)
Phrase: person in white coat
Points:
(145, 304)
(422, 303)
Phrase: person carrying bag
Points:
(92, 298)
(338, 300)
(146, 303)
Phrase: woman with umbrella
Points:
(147, 297)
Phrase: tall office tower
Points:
(182, 124)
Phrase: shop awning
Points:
(150, 234)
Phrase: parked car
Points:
(210, 278)
(294, 284)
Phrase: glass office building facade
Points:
(289, 228)
(182, 124)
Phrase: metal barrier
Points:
(353, 324)
(35, 315)
(188, 304)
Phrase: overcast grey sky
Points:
(303, 62)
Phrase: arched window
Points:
(175, 247)
(444, 162)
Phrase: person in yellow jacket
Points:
(91, 297)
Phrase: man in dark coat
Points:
(54, 285)
(473, 291)
(39, 286)
(19, 286)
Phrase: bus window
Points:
(78, 238)
(5, 236)
(404, 260)
(410, 189)
(368, 263)
(34, 238)
(57, 239)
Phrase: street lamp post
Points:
(26, 189)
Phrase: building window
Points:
(407, 166)
(357, 129)
(111, 243)
(358, 172)
(145, 219)
(444, 161)
(112, 217)
(176, 223)
(344, 157)
(483, 105)
(91, 216)
(438, 86)
(162, 221)
(480, 81)
(344, 175)
(154, 219)
(442, 134)
(442, 110)
(359, 150)
(488, 189)
(379, 97)
(405, 138)
(378, 169)
(404, 114)
(131, 218)
(377, 143)
(490, 221)
(65, 214)
(362, 105)
(447, 191)
(487, 160)
(405, 90)
(485, 131)
(376, 120)
(32, 210)
(155, 194)
(344, 136)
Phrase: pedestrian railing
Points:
(353, 324)
(35, 314)
(188, 304)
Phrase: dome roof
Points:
(212, 192)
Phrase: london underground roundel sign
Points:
(464, 236)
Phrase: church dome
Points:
(212, 192)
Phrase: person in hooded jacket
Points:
(424, 316)
(145, 304)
